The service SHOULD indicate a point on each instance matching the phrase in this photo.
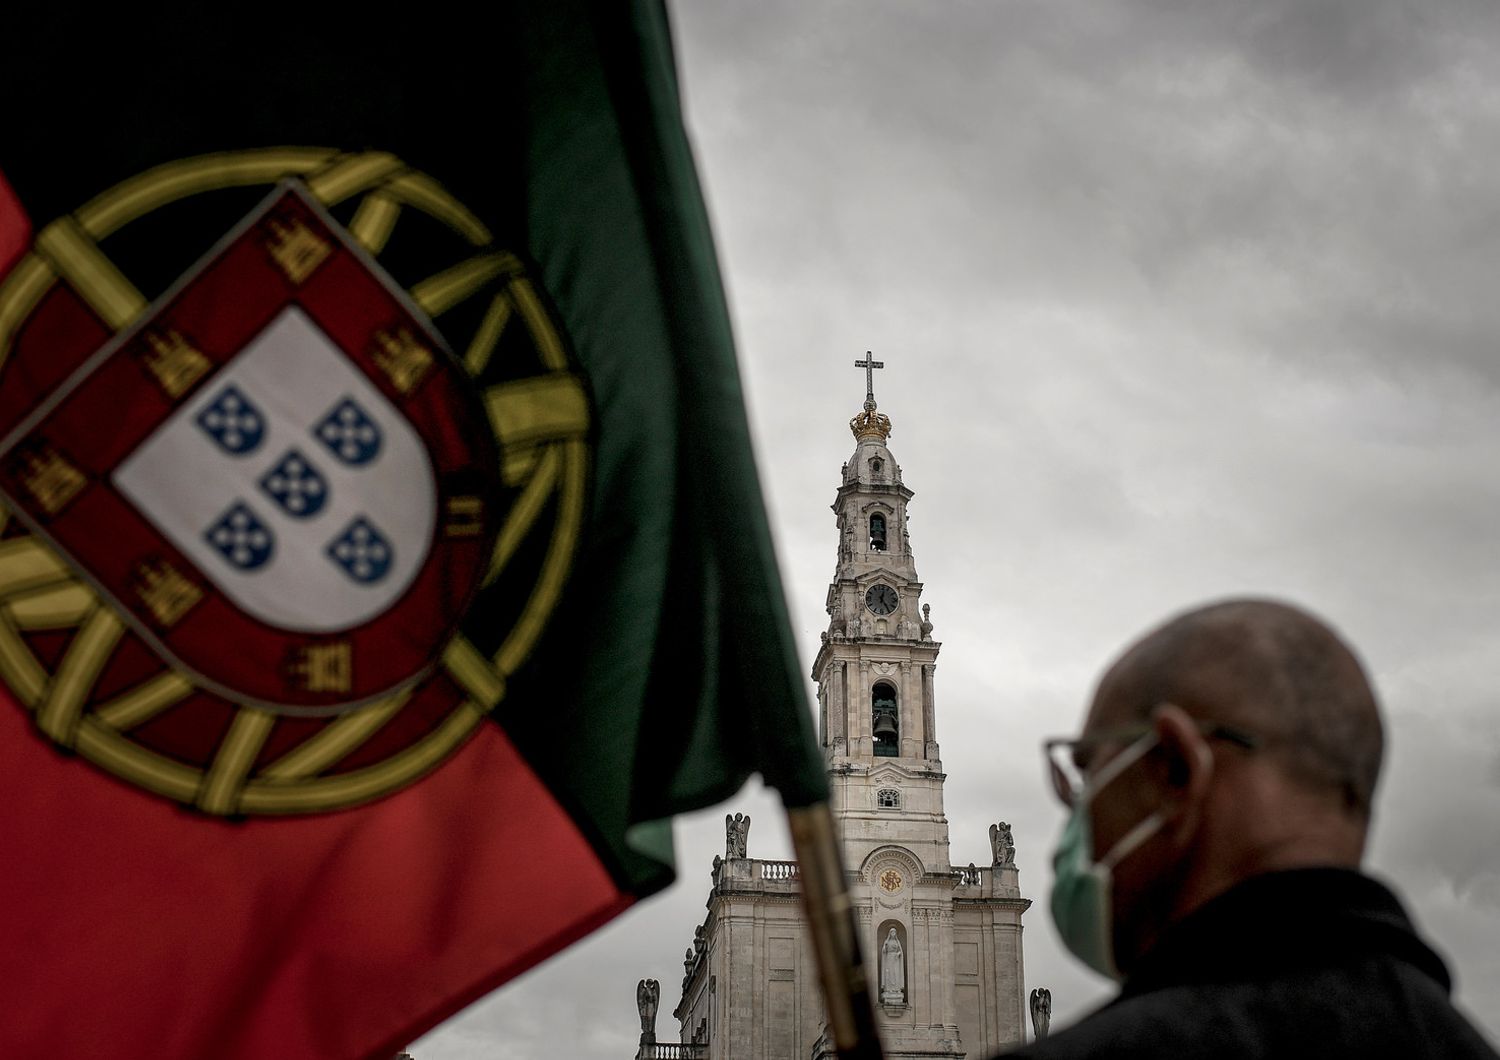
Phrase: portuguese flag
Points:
(380, 533)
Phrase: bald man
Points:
(1220, 798)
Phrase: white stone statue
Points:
(892, 971)
(1041, 1011)
(647, 996)
(736, 835)
(1002, 845)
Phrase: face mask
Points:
(1081, 902)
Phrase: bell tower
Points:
(875, 667)
(878, 723)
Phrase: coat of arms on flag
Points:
(304, 491)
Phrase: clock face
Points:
(881, 599)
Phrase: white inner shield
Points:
(183, 481)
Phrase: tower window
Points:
(877, 533)
(888, 799)
(877, 465)
(885, 721)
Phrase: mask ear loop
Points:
(1131, 840)
(1144, 829)
(1117, 765)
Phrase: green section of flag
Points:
(674, 668)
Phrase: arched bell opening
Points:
(877, 533)
(885, 720)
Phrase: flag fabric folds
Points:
(384, 561)
(15, 229)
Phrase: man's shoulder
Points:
(1125, 1028)
(1378, 1009)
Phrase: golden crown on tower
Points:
(871, 424)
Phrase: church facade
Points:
(942, 942)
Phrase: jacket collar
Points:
(1279, 921)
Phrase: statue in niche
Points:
(736, 835)
(857, 626)
(647, 997)
(926, 621)
(892, 970)
(1002, 845)
(699, 942)
(1041, 1011)
(836, 615)
(903, 628)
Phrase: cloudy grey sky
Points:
(1177, 300)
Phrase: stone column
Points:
(929, 712)
(944, 965)
(919, 993)
(911, 739)
(866, 743)
(838, 709)
(1009, 977)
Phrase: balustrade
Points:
(672, 1051)
(780, 870)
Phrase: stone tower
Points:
(943, 943)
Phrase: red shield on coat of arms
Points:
(259, 466)
(269, 545)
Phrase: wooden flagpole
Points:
(834, 933)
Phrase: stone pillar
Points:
(841, 693)
(911, 696)
(922, 1006)
(929, 712)
(866, 740)
(944, 965)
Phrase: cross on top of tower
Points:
(869, 364)
(869, 423)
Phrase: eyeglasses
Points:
(1069, 760)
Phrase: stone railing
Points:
(751, 875)
(671, 1051)
(969, 877)
(780, 870)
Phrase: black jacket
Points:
(1310, 963)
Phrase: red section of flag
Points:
(15, 228)
(138, 929)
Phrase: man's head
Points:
(1198, 690)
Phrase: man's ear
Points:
(1190, 767)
